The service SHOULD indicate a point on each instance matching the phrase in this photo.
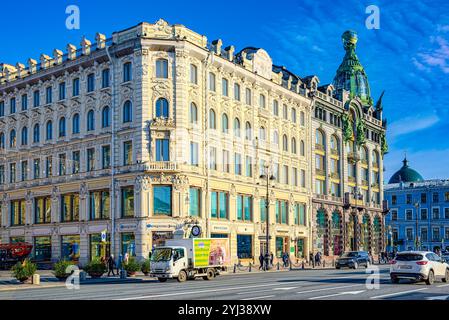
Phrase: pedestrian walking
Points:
(119, 263)
(285, 259)
(111, 265)
(271, 258)
(126, 258)
(311, 260)
(261, 261)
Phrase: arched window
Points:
(364, 155)
(262, 101)
(248, 131)
(224, 123)
(24, 136)
(237, 127)
(293, 145)
(302, 148)
(162, 108)
(335, 148)
(284, 143)
(49, 130)
(90, 120)
(127, 112)
(12, 139)
(62, 131)
(193, 113)
(276, 138)
(162, 68)
(262, 135)
(319, 138)
(76, 123)
(2, 140)
(302, 118)
(212, 119)
(36, 133)
(375, 158)
(106, 117)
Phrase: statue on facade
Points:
(361, 138)
(347, 128)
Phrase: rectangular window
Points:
(99, 205)
(2, 174)
(62, 91)
(48, 166)
(436, 197)
(237, 91)
(162, 204)
(409, 198)
(91, 82)
(244, 246)
(12, 105)
(394, 215)
(91, 159)
(446, 213)
(244, 208)
(436, 234)
(42, 210)
(249, 166)
(62, 164)
(423, 198)
(303, 178)
(237, 164)
(127, 153)
(128, 244)
(409, 234)
(248, 96)
(106, 156)
(76, 162)
(76, 87)
(193, 74)
(18, 208)
(48, 95)
(105, 78)
(285, 174)
(127, 206)
(409, 214)
(24, 170)
(12, 173)
(213, 158)
(446, 196)
(219, 205)
(162, 68)
(226, 162)
(70, 247)
(281, 211)
(212, 82)
(162, 150)
(394, 199)
(99, 248)
(225, 87)
(2, 108)
(36, 99)
(435, 213)
(42, 248)
(423, 214)
(262, 101)
(37, 168)
(263, 210)
(194, 202)
(424, 234)
(194, 154)
(127, 72)
(446, 233)
(70, 207)
(295, 177)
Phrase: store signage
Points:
(264, 238)
(220, 228)
(103, 236)
(164, 226)
(128, 226)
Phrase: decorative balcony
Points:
(319, 147)
(335, 152)
(365, 183)
(335, 175)
(320, 172)
(162, 166)
(351, 179)
(353, 157)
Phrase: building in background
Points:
(417, 204)
(348, 147)
(110, 147)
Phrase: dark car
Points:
(353, 259)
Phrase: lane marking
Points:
(338, 294)
(443, 285)
(438, 298)
(258, 298)
(194, 292)
(284, 289)
(398, 293)
(331, 288)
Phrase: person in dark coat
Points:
(111, 265)
(261, 262)
(271, 258)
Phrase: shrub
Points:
(22, 271)
(146, 266)
(95, 268)
(132, 266)
(60, 269)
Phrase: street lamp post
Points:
(268, 178)
(417, 240)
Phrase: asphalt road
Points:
(289, 285)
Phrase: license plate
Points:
(405, 267)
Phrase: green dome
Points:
(406, 174)
(350, 75)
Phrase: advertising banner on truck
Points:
(211, 252)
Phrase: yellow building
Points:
(126, 139)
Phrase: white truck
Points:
(185, 259)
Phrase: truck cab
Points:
(168, 261)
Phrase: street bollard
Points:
(324, 263)
(278, 266)
(235, 266)
(123, 274)
(290, 265)
(36, 279)
(333, 263)
(303, 267)
(250, 267)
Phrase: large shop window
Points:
(70, 247)
(70, 207)
(219, 205)
(42, 248)
(99, 248)
(244, 208)
(42, 210)
(280, 242)
(18, 208)
(99, 204)
(162, 205)
(17, 239)
(244, 246)
(127, 202)
(194, 200)
(128, 244)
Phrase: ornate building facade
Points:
(347, 161)
(110, 147)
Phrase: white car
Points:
(419, 265)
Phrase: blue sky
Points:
(408, 56)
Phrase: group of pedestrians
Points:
(266, 260)
(315, 260)
(112, 265)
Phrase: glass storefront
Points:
(70, 247)
(16, 239)
(42, 248)
(282, 245)
(98, 248)
(244, 246)
(128, 244)
(336, 233)
(300, 248)
(320, 230)
(219, 235)
(127, 203)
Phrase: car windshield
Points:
(162, 254)
(409, 257)
(349, 254)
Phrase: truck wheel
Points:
(210, 274)
(162, 279)
(182, 276)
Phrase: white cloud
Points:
(412, 124)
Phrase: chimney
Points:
(216, 45)
(230, 51)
